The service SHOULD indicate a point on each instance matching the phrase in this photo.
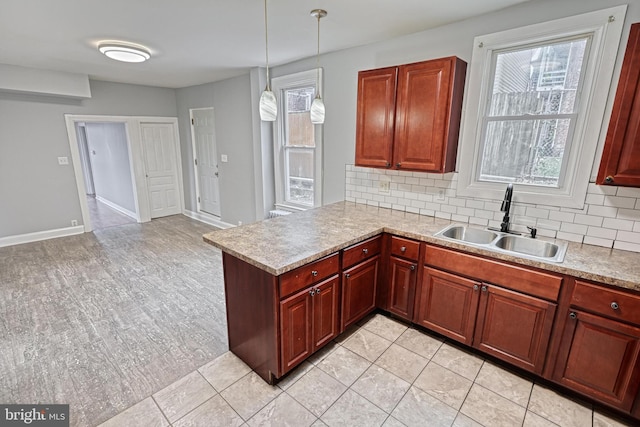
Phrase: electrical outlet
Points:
(384, 186)
(223, 158)
(63, 160)
(440, 195)
(74, 222)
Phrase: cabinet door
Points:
(375, 117)
(447, 304)
(424, 106)
(325, 312)
(295, 329)
(621, 155)
(402, 279)
(600, 358)
(514, 327)
(359, 291)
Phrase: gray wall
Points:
(231, 100)
(37, 194)
(110, 163)
(341, 68)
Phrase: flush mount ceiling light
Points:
(124, 52)
(317, 106)
(268, 104)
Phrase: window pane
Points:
(299, 175)
(524, 151)
(299, 127)
(538, 80)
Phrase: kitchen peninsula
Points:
(294, 283)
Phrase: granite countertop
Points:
(278, 245)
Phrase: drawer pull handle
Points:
(365, 251)
(403, 249)
(615, 305)
(573, 315)
(314, 273)
(413, 267)
(476, 287)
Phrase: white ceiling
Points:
(200, 41)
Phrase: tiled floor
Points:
(379, 373)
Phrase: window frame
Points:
(605, 29)
(279, 85)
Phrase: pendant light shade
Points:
(317, 106)
(268, 104)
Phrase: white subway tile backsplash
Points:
(610, 216)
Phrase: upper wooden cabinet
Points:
(409, 116)
(621, 156)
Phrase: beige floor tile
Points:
(381, 387)
(184, 395)
(392, 422)
(353, 410)
(249, 395)
(459, 361)
(384, 326)
(344, 365)
(295, 375)
(402, 362)
(419, 409)
(325, 351)
(531, 419)
(318, 423)
(559, 409)
(463, 421)
(602, 420)
(215, 412)
(505, 383)
(224, 371)
(443, 384)
(283, 411)
(419, 342)
(316, 391)
(367, 344)
(142, 414)
(352, 329)
(491, 409)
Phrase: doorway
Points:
(203, 136)
(153, 166)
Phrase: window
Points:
(535, 105)
(298, 151)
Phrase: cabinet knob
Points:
(573, 315)
(347, 275)
(398, 165)
(403, 249)
(476, 287)
(615, 305)
(484, 288)
(314, 273)
(413, 267)
(365, 251)
(312, 292)
(388, 164)
(608, 179)
(317, 291)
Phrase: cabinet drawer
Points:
(360, 251)
(532, 282)
(308, 274)
(607, 302)
(405, 248)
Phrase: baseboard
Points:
(207, 219)
(118, 208)
(40, 235)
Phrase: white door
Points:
(206, 160)
(159, 146)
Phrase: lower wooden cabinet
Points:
(448, 304)
(359, 285)
(514, 327)
(308, 320)
(402, 287)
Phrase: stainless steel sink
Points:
(471, 235)
(506, 243)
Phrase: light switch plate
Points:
(223, 158)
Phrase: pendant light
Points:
(317, 106)
(268, 105)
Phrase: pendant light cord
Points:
(266, 42)
(318, 59)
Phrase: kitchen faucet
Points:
(506, 207)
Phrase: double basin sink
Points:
(506, 243)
